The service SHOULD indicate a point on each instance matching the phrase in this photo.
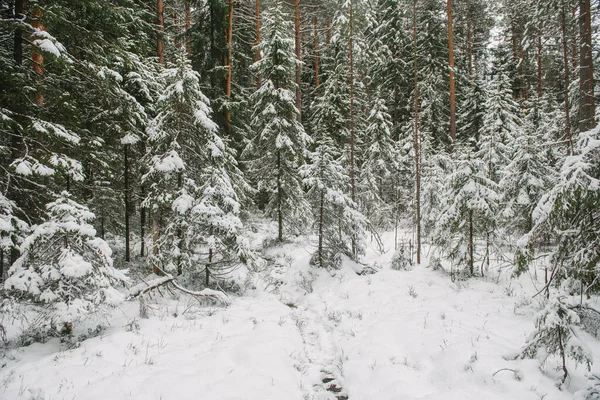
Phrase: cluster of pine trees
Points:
(165, 122)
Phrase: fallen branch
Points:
(505, 369)
(205, 296)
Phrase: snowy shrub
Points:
(401, 261)
(556, 334)
(65, 267)
(592, 392)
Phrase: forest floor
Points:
(320, 335)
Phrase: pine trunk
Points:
(452, 83)
(228, 64)
(257, 42)
(18, 39)
(416, 138)
(351, 57)
(279, 200)
(586, 68)
(37, 58)
(126, 201)
(316, 49)
(298, 57)
(160, 41)
(566, 78)
(188, 25)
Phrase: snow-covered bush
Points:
(557, 334)
(592, 392)
(401, 261)
(64, 266)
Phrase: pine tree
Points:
(64, 266)
(12, 231)
(279, 142)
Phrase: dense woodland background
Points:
(167, 124)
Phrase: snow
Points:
(391, 335)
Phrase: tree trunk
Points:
(316, 49)
(471, 245)
(298, 58)
(36, 56)
(524, 93)
(18, 40)
(126, 201)
(566, 78)
(160, 41)
(229, 68)
(586, 68)
(188, 25)
(257, 42)
(279, 200)
(351, 57)
(142, 224)
(539, 63)
(416, 143)
(155, 237)
(452, 83)
(321, 211)
(469, 43)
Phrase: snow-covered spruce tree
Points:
(557, 334)
(277, 149)
(470, 210)
(569, 213)
(525, 179)
(64, 266)
(379, 165)
(501, 124)
(337, 219)
(190, 181)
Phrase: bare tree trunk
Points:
(18, 40)
(257, 42)
(160, 42)
(126, 201)
(298, 57)
(316, 49)
(539, 63)
(566, 78)
(469, 43)
(229, 68)
(351, 57)
(279, 200)
(188, 25)
(36, 56)
(452, 83)
(321, 211)
(416, 143)
(586, 68)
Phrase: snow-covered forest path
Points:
(391, 335)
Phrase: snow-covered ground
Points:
(390, 335)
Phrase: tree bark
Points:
(257, 42)
(452, 83)
(566, 78)
(469, 43)
(298, 57)
(351, 57)
(36, 56)
(416, 143)
(316, 49)
(126, 201)
(586, 68)
(188, 25)
(229, 68)
(18, 40)
(279, 200)
(160, 41)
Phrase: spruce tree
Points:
(64, 266)
(279, 143)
